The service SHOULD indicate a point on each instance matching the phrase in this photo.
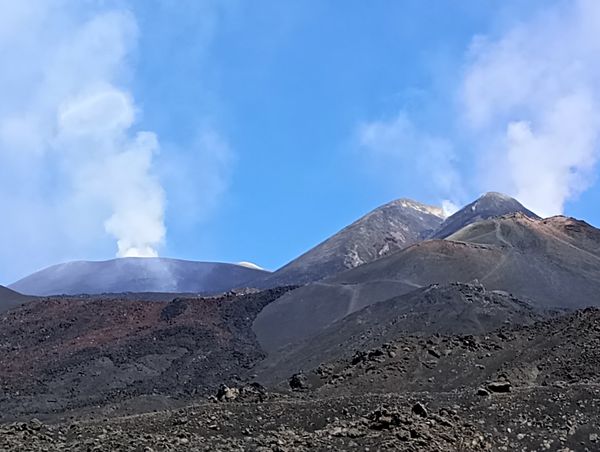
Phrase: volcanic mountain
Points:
(388, 228)
(490, 205)
(555, 263)
(9, 299)
(137, 275)
(438, 346)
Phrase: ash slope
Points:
(10, 299)
(389, 228)
(455, 308)
(137, 275)
(555, 263)
(490, 205)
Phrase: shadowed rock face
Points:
(553, 262)
(389, 228)
(10, 299)
(137, 275)
(488, 206)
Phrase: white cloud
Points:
(115, 169)
(398, 147)
(532, 97)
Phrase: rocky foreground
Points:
(533, 419)
(530, 387)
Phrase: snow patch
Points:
(249, 265)
(437, 211)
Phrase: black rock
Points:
(419, 409)
(173, 309)
(434, 353)
(299, 382)
(499, 386)
(483, 392)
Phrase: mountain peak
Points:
(415, 205)
(496, 195)
(387, 228)
(489, 205)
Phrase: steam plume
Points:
(114, 169)
(532, 96)
(74, 171)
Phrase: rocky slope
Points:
(137, 275)
(531, 387)
(389, 228)
(559, 351)
(455, 308)
(70, 354)
(553, 262)
(10, 299)
(453, 422)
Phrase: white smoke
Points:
(114, 169)
(73, 169)
(449, 207)
(532, 96)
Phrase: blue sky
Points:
(251, 130)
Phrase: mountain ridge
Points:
(10, 299)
